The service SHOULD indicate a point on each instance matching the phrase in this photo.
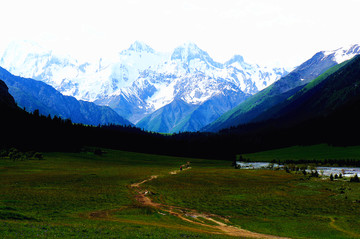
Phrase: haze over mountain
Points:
(287, 86)
(140, 81)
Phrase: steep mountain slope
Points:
(194, 117)
(322, 96)
(210, 110)
(189, 74)
(32, 94)
(255, 105)
(198, 80)
(325, 111)
(165, 119)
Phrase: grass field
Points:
(315, 152)
(82, 195)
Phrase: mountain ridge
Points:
(36, 95)
(280, 90)
(139, 80)
(321, 96)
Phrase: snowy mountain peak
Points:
(237, 61)
(236, 58)
(343, 54)
(138, 46)
(29, 59)
(20, 51)
(189, 52)
(26, 46)
(190, 46)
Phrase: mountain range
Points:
(324, 110)
(249, 110)
(185, 90)
(141, 84)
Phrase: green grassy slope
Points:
(251, 108)
(279, 91)
(315, 152)
(314, 98)
(165, 119)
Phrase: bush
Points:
(38, 156)
(14, 154)
(355, 179)
(98, 152)
(3, 153)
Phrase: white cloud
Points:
(264, 31)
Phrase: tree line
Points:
(32, 131)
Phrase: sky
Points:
(266, 32)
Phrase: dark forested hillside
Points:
(6, 100)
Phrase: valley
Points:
(180, 119)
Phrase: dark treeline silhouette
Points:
(26, 131)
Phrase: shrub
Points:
(14, 154)
(38, 156)
(355, 179)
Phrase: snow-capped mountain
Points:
(342, 54)
(83, 80)
(258, 104)
(29, 59)
(139, 80)
(192, 76)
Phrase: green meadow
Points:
(317, 153)
(83, 195)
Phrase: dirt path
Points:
(336, 227)
(215, 224)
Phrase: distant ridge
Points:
(35, 95)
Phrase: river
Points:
(325, 171)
